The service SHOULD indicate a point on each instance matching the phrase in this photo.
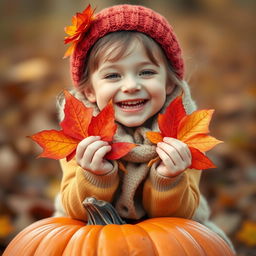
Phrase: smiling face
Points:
(136, 86)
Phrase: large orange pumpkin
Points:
(157, 236)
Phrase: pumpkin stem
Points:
(101, 212)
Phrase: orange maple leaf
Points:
(192, 129)
(78, 124)
(80, 24)
(56, 144)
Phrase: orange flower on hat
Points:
(80, 24)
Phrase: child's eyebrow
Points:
(109, 66)
(145, 63)
(117, 66)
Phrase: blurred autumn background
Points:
(218, 40)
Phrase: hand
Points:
(175, 156)
(90, 155)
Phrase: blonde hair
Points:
(120, 41)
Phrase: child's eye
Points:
(147, 73)
(112, 76)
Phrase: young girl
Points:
(130, 55)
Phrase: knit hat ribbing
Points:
(129, 18)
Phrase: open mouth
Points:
(132, 104)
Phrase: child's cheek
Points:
(102, 102)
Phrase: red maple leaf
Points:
(78, 124)
(192, 129)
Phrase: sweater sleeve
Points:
(77, 184)
(176, 197)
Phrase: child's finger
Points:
(89, 152)
(165, 159)
(183, 151)
(180, 146)
(83, 145)
(98, 157)
(171, 152)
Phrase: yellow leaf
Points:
(202, 142)
(194, 124)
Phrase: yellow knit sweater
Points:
(177, 197)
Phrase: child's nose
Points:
(131, 85)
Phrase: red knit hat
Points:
(132, 18)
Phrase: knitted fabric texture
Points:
(128, 18)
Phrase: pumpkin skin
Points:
(158, 236)
(99, 237)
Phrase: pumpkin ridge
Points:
(163, 227)
(185, 235)
(195, 242)
(152, 242)
(25, 246)
(199, 233)
(94, 232)
(159, 239)
(125, 238)
(31, 236)
(110, 241)
(189, 237)
(139, 244)
(76, 241)
(61, 234)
